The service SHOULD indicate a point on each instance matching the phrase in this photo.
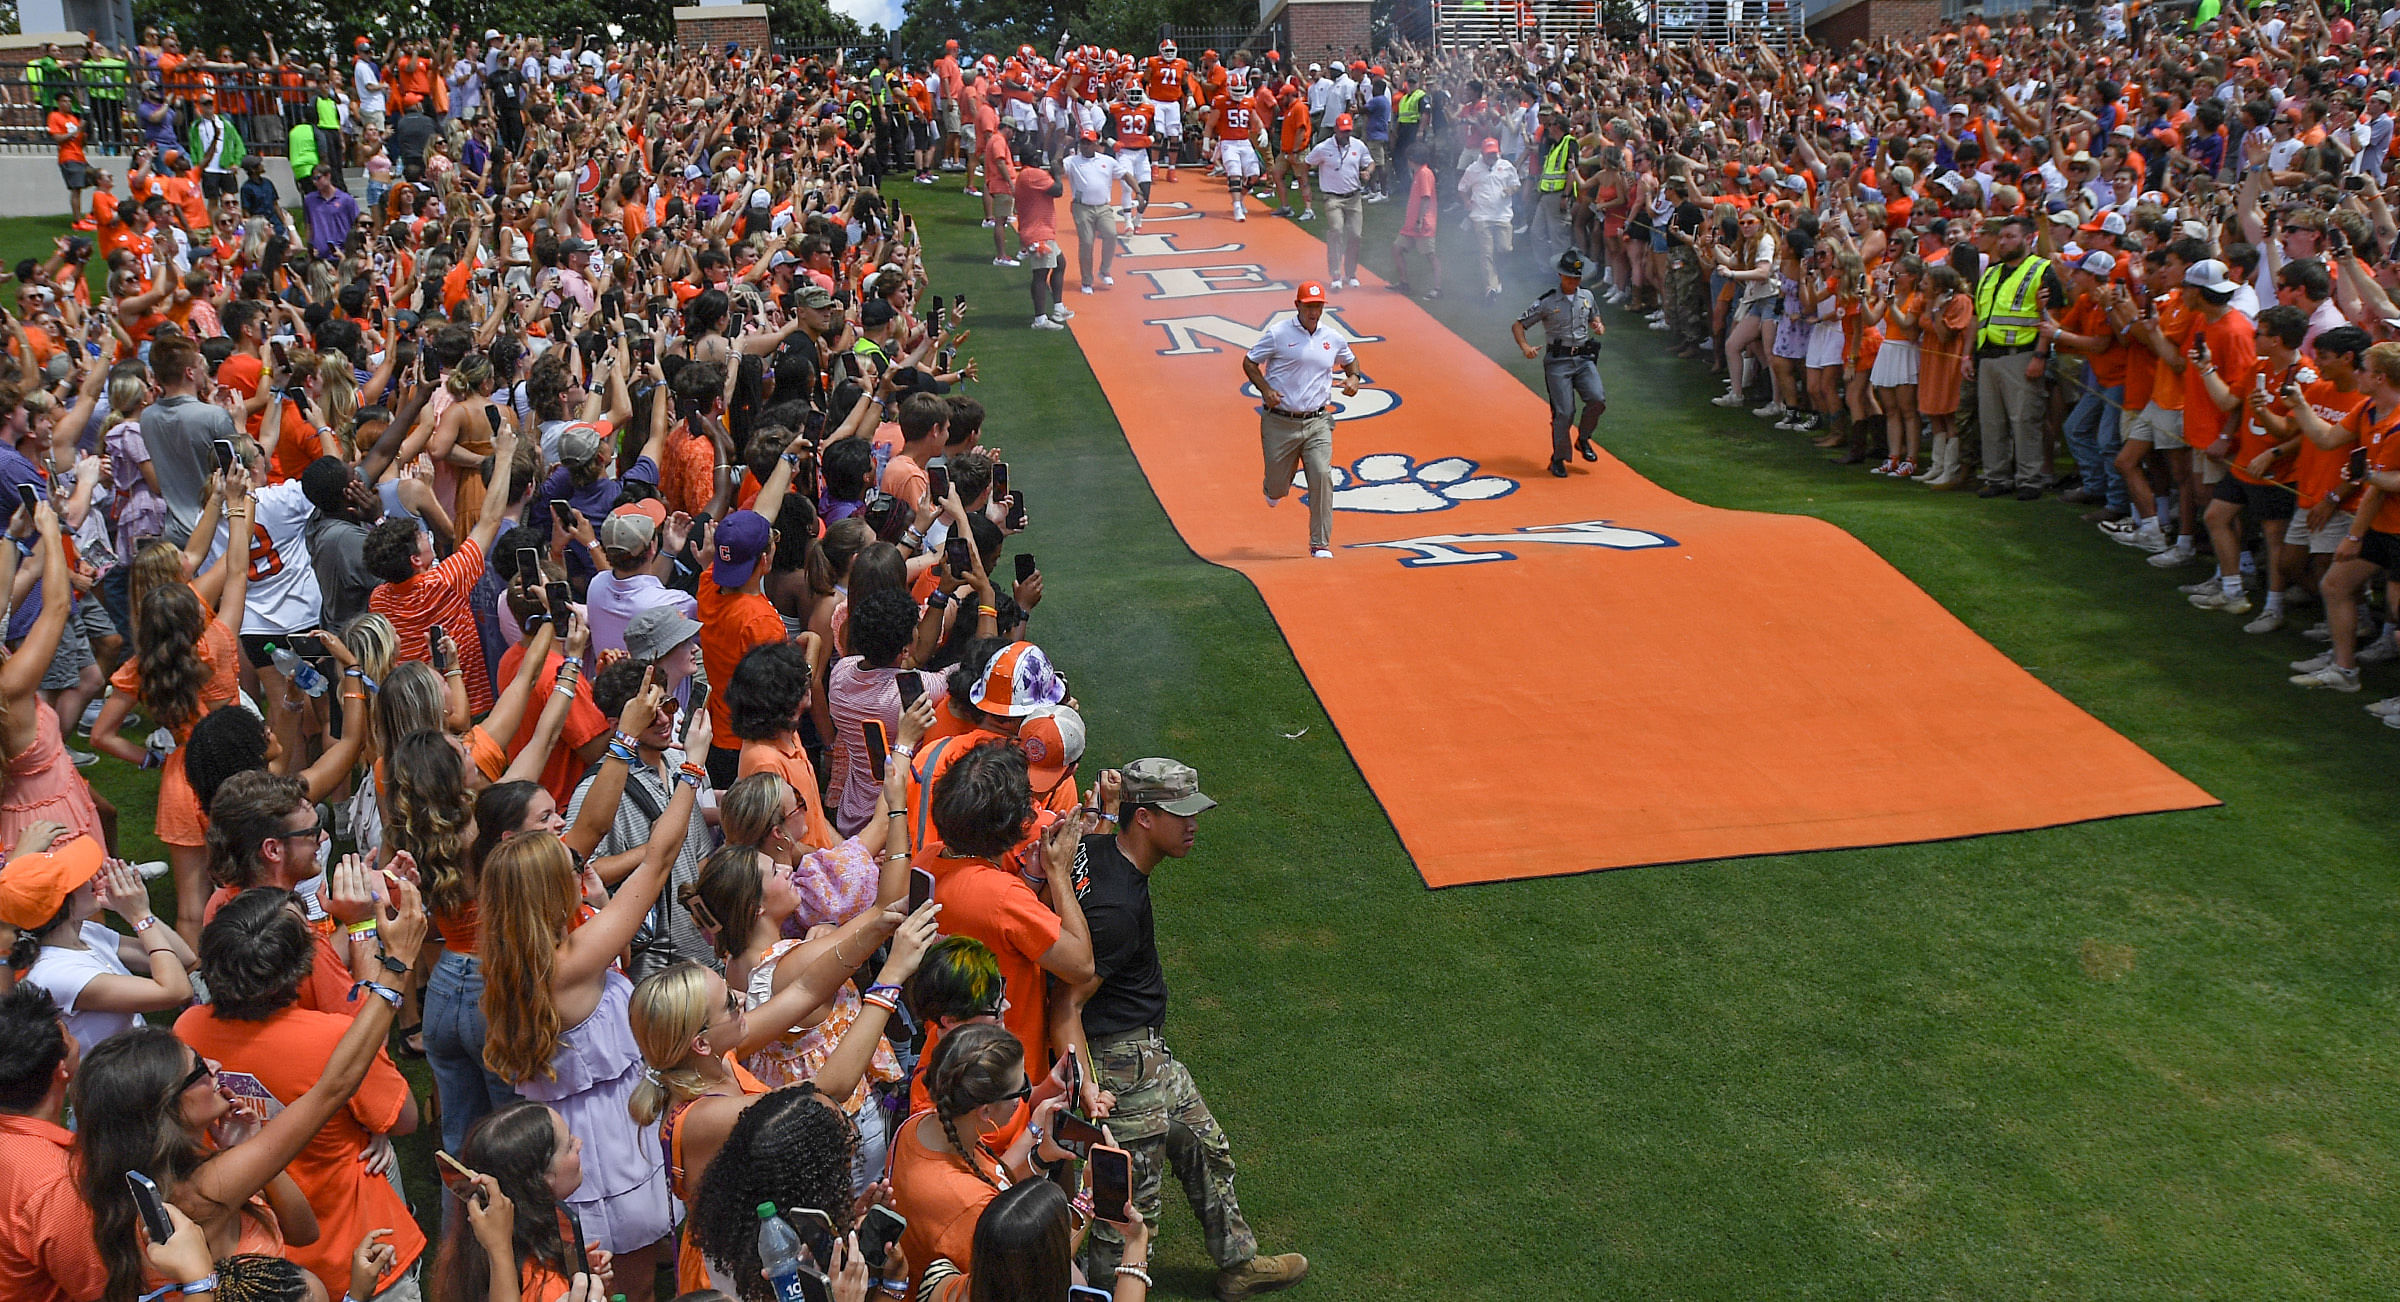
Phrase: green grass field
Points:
(2143, 1058)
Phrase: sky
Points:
(871, 12)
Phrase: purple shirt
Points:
(329, 219)
(611, 603)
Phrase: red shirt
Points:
(46, 1248)
(439, 596)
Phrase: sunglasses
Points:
(205, 1071)
(310, 832)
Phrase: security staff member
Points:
(2010, 360)
(1570, 323)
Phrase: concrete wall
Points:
(29, 184)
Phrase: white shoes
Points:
(1087, 289)
(2232, 603)
(1321, 554)
(1108, 282)
(2377, 651)
(2331, 676)
(988, 223)
(2173, 556)
(1729, 398)
(1772, 411)
(2267, 622)
(2313, 663)
(2385, 708)
(1059, 313)
(1240, 214)
(1006, 262)
(1048, 323)
(1353, 282)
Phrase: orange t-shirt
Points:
(2383, 453)
(687, 471)
(793, 767)
(2317, 472)
(2251, 438)
(997, 907)
(287, 1052)
(2232, 354)
(940, 1197)
(66, 131)
(2178, 322)
(562, 770)
(730, 624)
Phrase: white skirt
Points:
(1895, 365)
(1824, 344)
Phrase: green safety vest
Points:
(2206, 10)
(1554, 166)
(329, 113)
(2004, 304)
(104, 78)
(1412, 106)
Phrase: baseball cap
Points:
(762, 198)
(692, 172)
(36, 886)
(1310, 292)
(2107, 223)
(783, 258)
(2209, 274)
(1052, 738)
(2098, 262)
(628, 531)
(1090, 136)
(1015, 681)
(1490, 145)
(1342, 123)
(1794, 183)
(741, 540)
(491, 33)
(877, 311)
(580, 442)
(1171, 786)
(815, 295)
(650, 635)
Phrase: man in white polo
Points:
(1292, 365)
(1343, 166)
(1091, 178)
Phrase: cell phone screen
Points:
(878, 747)
(1112, 1183)
(529, 564)
(1015, 519)
(937, 482)
(955, 556)
(224, 454)
(1026, 569)
(1075, 1134)
(27, 497)
(2358, 465)
(920, 888)
(1000, 478)
(878, 1230)
(561, 596)
(912, 686)
(564, 512)
(1086, 1293)
(570, 1233)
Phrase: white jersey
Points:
(283, 598)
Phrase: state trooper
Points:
(1571, 329)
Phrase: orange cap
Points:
(1310, 292)
(36, 886)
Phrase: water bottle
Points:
(779, 1255)
(298, 672)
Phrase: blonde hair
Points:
(2383, 362)
(127, 395)
(375, 642)
(527, 898)
(413, 699)
(337, 389)
(669, 1010)
(750, 808)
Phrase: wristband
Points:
(363, 929)
(145, 924)
(904, 750)
(874, 990)
(691, 777)
(888, 1003)
(205, 1284)
(361, 675)
(988, 612)
(382, 991)
(1138, 1273)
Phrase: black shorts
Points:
(304, 645)
(2262, 501)
(78, 176)
(2381, 549)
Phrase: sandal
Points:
(412, 1041)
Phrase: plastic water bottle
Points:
(298, 672)
(779, 1255)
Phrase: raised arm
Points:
(597, 943)
(504, 456)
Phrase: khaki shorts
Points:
(1094, 221)
(2319, 542)
(2156, 426)
(1040, 257)
(2211, 470)
(1417, 244)
(1004, 206)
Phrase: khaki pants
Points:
(2009, 410)
(1492, 239)
(1291, 444)
(1345, 223)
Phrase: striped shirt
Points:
(439, 596)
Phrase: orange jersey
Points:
(1015, 84)
(1236, 119)
(1133, 126)
(1166, 79)
(1212, 83)
(1083, 80)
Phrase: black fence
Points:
(259, 105)
(1190, 41)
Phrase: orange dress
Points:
(1942, 365)
(181, 821)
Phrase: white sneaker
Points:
(1059, 312)
(2385, 708)
(2333, 676)
(2267, 622)
(2377, 651)
(1659, 326)
(1087, 289)
(1354, 282)
(151, 869)
(2148, 538)
(82, 759)
(1729, 398)
(2318, 632)
(1772, 411)
(1006, 262)
(2174, 556)
(91, 714)
(2313, 663)
(1321, 554)
(2232, 603)
(1308, 214)
(1048, 323)
(2208, 584)
(1108, 282)
(1240, 214)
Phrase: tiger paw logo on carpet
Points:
(1392, 483)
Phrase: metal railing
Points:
(259, 106)
(1729, 24)
(1492, 24)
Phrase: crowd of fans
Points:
(567, 598)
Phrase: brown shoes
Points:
(1261, 1274)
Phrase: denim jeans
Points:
(454, 1030)
(2094, 434)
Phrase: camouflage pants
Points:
(1687, 300)
(1161, 1120)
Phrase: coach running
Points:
(1292, 365)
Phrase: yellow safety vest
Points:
(1554, 167)
(2004, 305)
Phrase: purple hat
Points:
(741, 540)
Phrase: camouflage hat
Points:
(1166, 784)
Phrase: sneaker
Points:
(1059, 312)
(973, 193)
(1321, 554)
(2377, 651)
(2333, 676)
(1729, 398)
(91, 715)
(1274, 502)
(1260, 1274)
(2174, 556)
(1048, 323)
(2318, 632)
(1240, 214)
(1906, 470)
(1891, 465)
(1308, 214)
(1772, 411)
(2385, 708)
(2313, 663)
(1087, 289)
(2208, 584)
(1659, 326)
(1006, 262)
(151, 869)
(1108, 282)
(1353, 282)
(2232, 603)
(83, 759)
(2267, 622)
(989, 224)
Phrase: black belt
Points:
(1588, 348)
(1346, 194)
(2004, 350)
(1294, 415)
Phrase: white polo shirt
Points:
(1092, 180)
(1299, 364)
(1340, 170)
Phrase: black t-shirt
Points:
(1116, 903)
